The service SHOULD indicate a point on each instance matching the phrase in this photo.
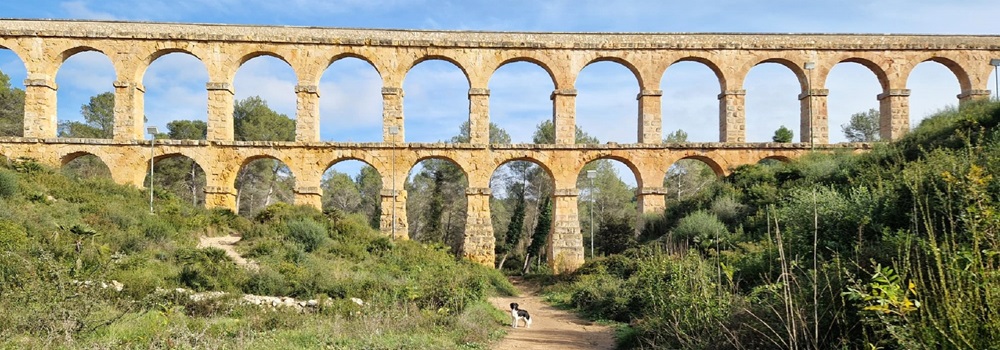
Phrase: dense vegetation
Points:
(57, 233)
(898, 248)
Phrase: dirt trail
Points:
(226, 244)
(551, 328)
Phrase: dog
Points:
(517, 314)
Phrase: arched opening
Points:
(933, 88)
(436, 202)
(519, 100)
(521, 209)
(265, 100)
(607, 207)
(180, 176)
(175, 96)
(83, 165)
(771, 102)
(12, 74)
(263, 181)
(436, 106)
(773, 161)
(354, 187)
(687, 177)
(690, 102)
(86, 98)
(606, 107)
(351, 102)
(854, 90)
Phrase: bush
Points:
(8, 184)
(701, 228)
(307, 233)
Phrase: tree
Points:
(369, 184)
(863, 127)
(679, 136)
(253, 120)
(98, 116)
(541, 234)
(266, 180)
(545, 133)
(11, 108)
(615, 235)
(687, 176)
(340, 193)
(783, 135)
(187, 130)
(99, 123)
(497, 134)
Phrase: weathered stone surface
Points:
(44, 45)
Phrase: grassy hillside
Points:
(898, 248)
(57, 233)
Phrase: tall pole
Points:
(152, 131)
(393, 130)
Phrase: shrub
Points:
(307, 233)
(701, 228)
(8, 184)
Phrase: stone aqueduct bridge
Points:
(44, 45)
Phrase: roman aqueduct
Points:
(44, 45)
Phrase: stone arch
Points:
(196, 184)
(779, 96)
(711, 163)
(526, 158)
(17, 72)
(776, 157)
(619, 60)
(923, 102)
(368, 203)
(246, 57)
(440, 157)
(704, 61)
(359, 117)
(424, 212)
(854, 89)
(361, 57)
(501, 209)
(624, 104)
(587, 158)
(530, 97)
(156, 55)
(879, 72)
(541, 64)
(964, 81)
(73, 51)
(280, 97)
(103, 72)
(438, 57)
(151, 99)
(795, 67)
(699, 109)
(282, 163)
(434, 116)
(67, 160)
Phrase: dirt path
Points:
(551, 328)
(226, 244)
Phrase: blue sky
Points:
(436, 101)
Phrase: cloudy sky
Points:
(436, 101)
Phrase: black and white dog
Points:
(517, 314)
